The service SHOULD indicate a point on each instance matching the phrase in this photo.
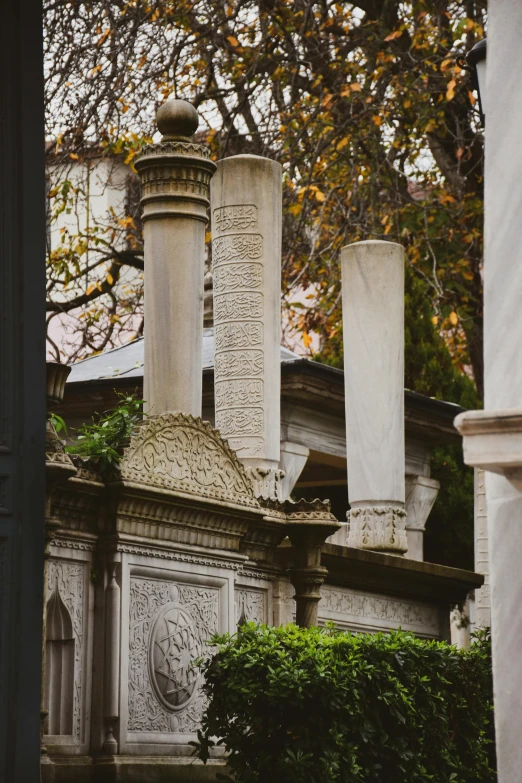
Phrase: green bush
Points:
(315, 705)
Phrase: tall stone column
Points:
(175, 178)
(493, 437)
(373, 328)
(246, 260)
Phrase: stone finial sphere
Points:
(177, 118)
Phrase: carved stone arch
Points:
(59, 665)
(182, 453)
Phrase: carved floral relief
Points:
(250, 605)
(180, 452)
(170, 625)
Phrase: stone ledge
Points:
(394, 575)
(124, 769)
(492, 439)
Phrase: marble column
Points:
(175, 179)
(493, 437)
(373, 328)
(246, 262)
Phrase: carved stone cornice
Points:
(232, 562)
(493, 440)
(72, 543)
(75, 507)
(163, 518)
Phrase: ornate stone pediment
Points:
(178, 452)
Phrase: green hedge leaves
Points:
(297, 705)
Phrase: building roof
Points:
(127, 361)
(319, 387)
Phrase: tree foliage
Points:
(363, 103)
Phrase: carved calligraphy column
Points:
(246, 258)
(373, 327)
(175, 178)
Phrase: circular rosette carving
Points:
(174, 645)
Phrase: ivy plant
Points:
(103, 440)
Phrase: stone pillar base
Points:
(379, 528)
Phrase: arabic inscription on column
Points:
(237, 257)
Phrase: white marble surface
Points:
(293, 459)
(482, 596)
(174, 271)
(503, 368)
(421, 494)
(356, 610)
(175, 178)
(246, 260)
(373, 333)
(373, 329)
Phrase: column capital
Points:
(175, 179)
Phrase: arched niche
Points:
(59, 667)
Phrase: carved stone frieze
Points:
(84, 546)
(69, 579)
(170, 624)
(181, 453)
(264, 575)
(377, 611)
(181, 557)
(86, 472)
